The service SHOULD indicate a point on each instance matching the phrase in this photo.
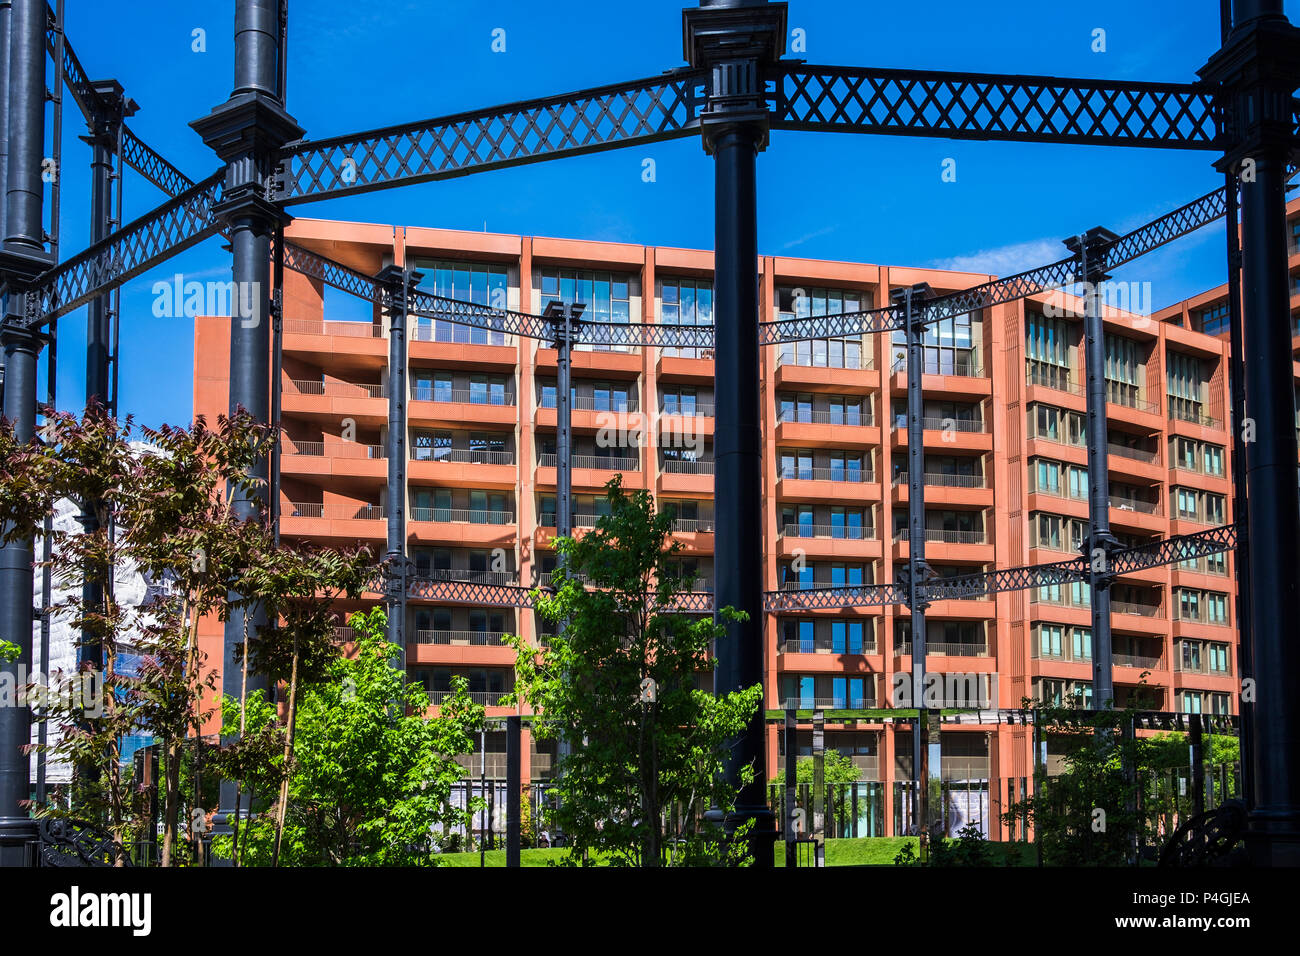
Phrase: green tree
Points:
(619, 682)
(370, 776)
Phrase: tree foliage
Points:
(633, 762)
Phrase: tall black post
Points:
(791, 781)
(736, 41)
(399, 282)
(1097, 549)
(1256, 71)
(514, 786)
(247, 132)
(22, 258)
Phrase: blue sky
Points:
(874, 199)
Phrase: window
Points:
(1185, 384)
(802, 303)
(1214, 320)
(604, 294)
(686, 302)
(1049, 640)
(1081, 643)
(480, 283)
(1047, 351)
(1122, 375)
(1049, 477)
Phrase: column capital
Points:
(1090, 249)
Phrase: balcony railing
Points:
(1121, 393)
(1144, 661)
(339, 389)
(588, 403)
(343, 449)
(487, 698)
(592, 461)
(945, 536)
(1053, 377)
(683, 466)
(805, 416)
(1200, 617)
(1137, 454)
(363, 330)
(473, 638)
(471, 456)
(469, 577)
(844, 702)
(862, 476)
(795, 584)
(941, 424)
(698, 410)
(962, 365)
(943, 480)
(787, 356)
(1121, 503)
(828, 531)
(464, 396)
(462, 515)
(1132, 607)
(903, 648)
(693, 525)
(344, 512)
(1191, 415)
(822, 645)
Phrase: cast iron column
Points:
(247, 132)
(1256, 72)
(22, 258)
(399, 282)
(1096, 550)
(514, 784)
(736, 41)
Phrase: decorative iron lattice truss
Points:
(332, 273)
(427, 305)
(173, 227)
(994, 106)
(137, 154)
(963, 587)
(621, 114)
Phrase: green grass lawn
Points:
(864, 851)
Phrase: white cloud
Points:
(812, 235)
(1007, 260)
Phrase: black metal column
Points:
(514, 785)
(1256, 71)
(735, 41)
(22, 258)
(791, 732)
(247, 132)
(1100, 543)
(399, 282)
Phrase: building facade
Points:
(1006, 478)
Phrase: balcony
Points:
(1137, 609)
(843, 702)
(945, 537)
(333, 512)
(1135, 454)
(470, 456)
(1141, 661)
(487, 698)
(1184, 666)
(1055, 378)
(460, 396)
(343, 449)
(336, 459)
(469, 638)
(363, 330)
(589, 403)
(939, 480)
(828, 531)
(462, 576)
(962, 425)
(941, 649)
(693, 525)
(962, 365)
(1120, 503)
(339, 389)
(853, 419)
(1129, 396)
(822, 645)
(862, 476)
(592, 461)
(1177, 413)
(463, 516)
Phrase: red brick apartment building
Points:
(1006, 480)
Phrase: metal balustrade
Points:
(592, 461)
(1120, 503)
(467, 456)
(940, 648)
(345, 512)
(487, 698)
(794, 416)
(965, 368)
(945, 536)
(1118, 393)
(944, 480)
(1192, 415)
(360, 330)
(459, 396)
(468, 577)
(865, 361)
(1144, 661)
(462, 515)
(696, 525)
(968, 426)
(1136, 608)
(686, 466)
(828, 531)
(1058, 379)
(864, 476)
(1137, 454)
(472, 638)
(823, 645)
(844, 702)
(339, 389)
(698, 410)
(343, 449)
(1183, 666)
(587, 403)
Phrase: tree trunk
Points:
(288, 754)
(171, 799)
